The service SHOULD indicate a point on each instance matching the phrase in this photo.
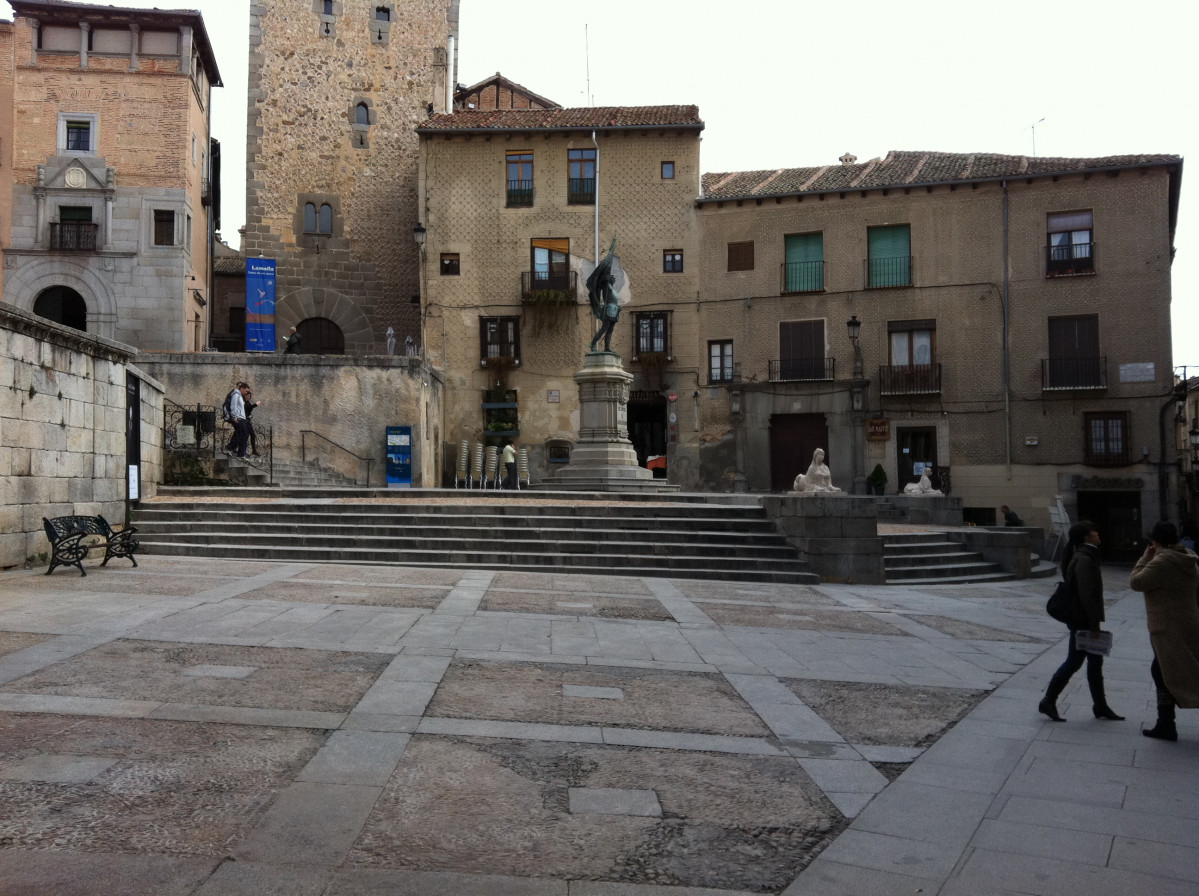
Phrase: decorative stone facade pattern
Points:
(463, 182)
(958, 280)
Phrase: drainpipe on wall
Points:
(597, 160)
(1007, 358)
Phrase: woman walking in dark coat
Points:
(1167, 575)
(1080, 565)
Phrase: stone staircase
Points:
(693, 537)
(933, 558)
(281, 473)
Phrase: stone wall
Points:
(62, 429)
(350, 404)
(836, 535)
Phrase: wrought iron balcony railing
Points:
(910, 379)
(885, 272)
(548, 287)
(797, 370)
(802, 276)
(520, 193)
(581, 191)
(1070, 261)
(73, 236)
(1073, 373)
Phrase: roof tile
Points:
(902, 169)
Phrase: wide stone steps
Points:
(928, 558)
(686, 539)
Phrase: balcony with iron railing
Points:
(73, 236)
(580, 191)
(1073, 373)
(909, 379)
(520, 193)
(882, 273)
(1075, 260)
(799, 370)
(802, 276)
(548, 287)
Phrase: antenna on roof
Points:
(1033, 126)
(587, 55)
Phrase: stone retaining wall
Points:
(62, 429)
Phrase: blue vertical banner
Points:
(260, 304)
(399, 457)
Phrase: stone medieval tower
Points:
(336, 91)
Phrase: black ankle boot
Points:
(1165, 729)
(1103, 711)
(1048, 704)
(1048, 707)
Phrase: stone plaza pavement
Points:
(218, 728)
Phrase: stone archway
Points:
(62, 305)
(327, 304)
(31, 277)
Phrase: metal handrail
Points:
(304, 451)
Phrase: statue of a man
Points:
(604, 304)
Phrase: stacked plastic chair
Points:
(522, 467)
(460, 473)
(476, 466)
(491, 468)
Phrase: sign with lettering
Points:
(878, 430)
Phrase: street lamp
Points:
(857, 390)
(855, 328)
(419, 233)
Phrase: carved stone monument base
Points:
(604, 459)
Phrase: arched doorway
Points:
(62, 305)
(320, 336)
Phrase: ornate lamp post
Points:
(857, 403)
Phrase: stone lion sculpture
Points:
(923, 488)
(818, 479)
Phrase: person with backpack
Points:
(1080, 568)
(234, 412)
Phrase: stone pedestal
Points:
(604, 459)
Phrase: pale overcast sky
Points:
(793, 83)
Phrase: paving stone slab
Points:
(533, 692)
(69, 872)
(613, 801)
(473, 805)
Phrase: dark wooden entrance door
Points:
(916, 450)
(647, 430)
(1117, 516)
(793, 438)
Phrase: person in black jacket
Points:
(1080, 566)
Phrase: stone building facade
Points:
(511, 200)
(1014, 327)
(108, 170)
(336, 90)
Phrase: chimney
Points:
(848, 159)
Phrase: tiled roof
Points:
(905, 169)
(604, 117)
(499, 80)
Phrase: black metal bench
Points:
(68, 548)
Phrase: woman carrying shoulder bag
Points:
(1080, 563)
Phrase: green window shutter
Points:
(890, 256)
(803, 269)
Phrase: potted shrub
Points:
(877, 480)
